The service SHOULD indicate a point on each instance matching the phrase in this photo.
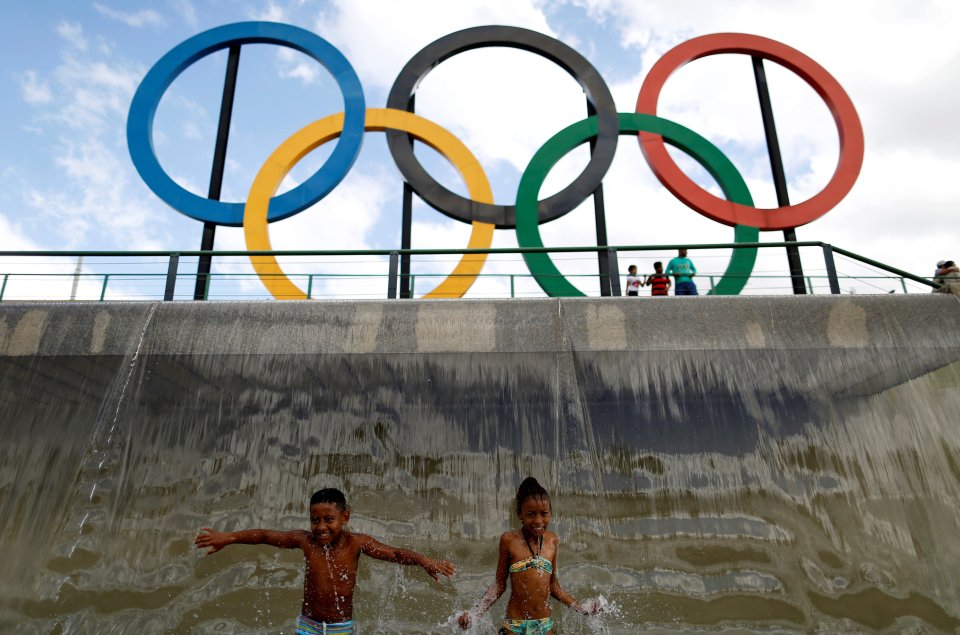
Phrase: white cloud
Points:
(345, 219)
(35, 90)
(187, 11)
(294, 65)
(94, 92)
(13, 237)
(273, 12)
(136, 19)
(18, 275)
(379, 36)
(97, 198)
(192, 131)
(72, 33)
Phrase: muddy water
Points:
(729, 489)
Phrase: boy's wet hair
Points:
(329, 495)
(530, 488)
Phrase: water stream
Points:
(793, 484)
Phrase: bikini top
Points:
(535, 560)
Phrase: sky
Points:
(68, 71)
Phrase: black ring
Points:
(504, 216)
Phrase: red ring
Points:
(720, 210)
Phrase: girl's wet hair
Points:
(329, 495)
(530, 488)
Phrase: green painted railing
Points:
(394, 255)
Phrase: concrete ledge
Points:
(482, 326)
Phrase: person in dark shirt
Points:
(658, 281)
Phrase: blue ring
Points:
(165, 71)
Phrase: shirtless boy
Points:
(331, 555)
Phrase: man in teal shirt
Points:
(683, 271)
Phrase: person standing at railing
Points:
(683, 271)
(658, 281)
(633, 281)
(948, 275)
(936, 272)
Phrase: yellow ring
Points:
(310, 137)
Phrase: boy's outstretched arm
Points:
(380, 551)
(494, 591)
(213, 541)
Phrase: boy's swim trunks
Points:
(306, 626)
(527, 627)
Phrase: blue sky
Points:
(69, 70)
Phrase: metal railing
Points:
(174, 257)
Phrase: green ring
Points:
(705, 153)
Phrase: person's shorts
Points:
(686, 288)
(306, 626)
(527, 627)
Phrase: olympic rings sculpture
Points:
(605, 125)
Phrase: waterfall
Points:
(726, 464)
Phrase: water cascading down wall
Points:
(728, 464)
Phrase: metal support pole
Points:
(903, 283)
(406, 229)
(3, 287)
(310, 286)
(614, 270)
(216, 173)
(779, 177)
(103, 289)
(406, 224)
(76, 278)
(511, 287)
(600, 219)
(831, 269)
(171, 287)
(392, 276)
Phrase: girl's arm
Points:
(214, 541)
(380, 551)
(557, 591)
(494, 591)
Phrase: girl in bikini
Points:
(529, 557)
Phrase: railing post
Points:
(903, 283)
(103, 290)
(3, 287)
(809, 285)
(171, 277)
(206, 285)
(413, 285)
(831, 269)
(711, 283)
(309, 286)
(511, 287)
(613, 269)
(392, 275)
